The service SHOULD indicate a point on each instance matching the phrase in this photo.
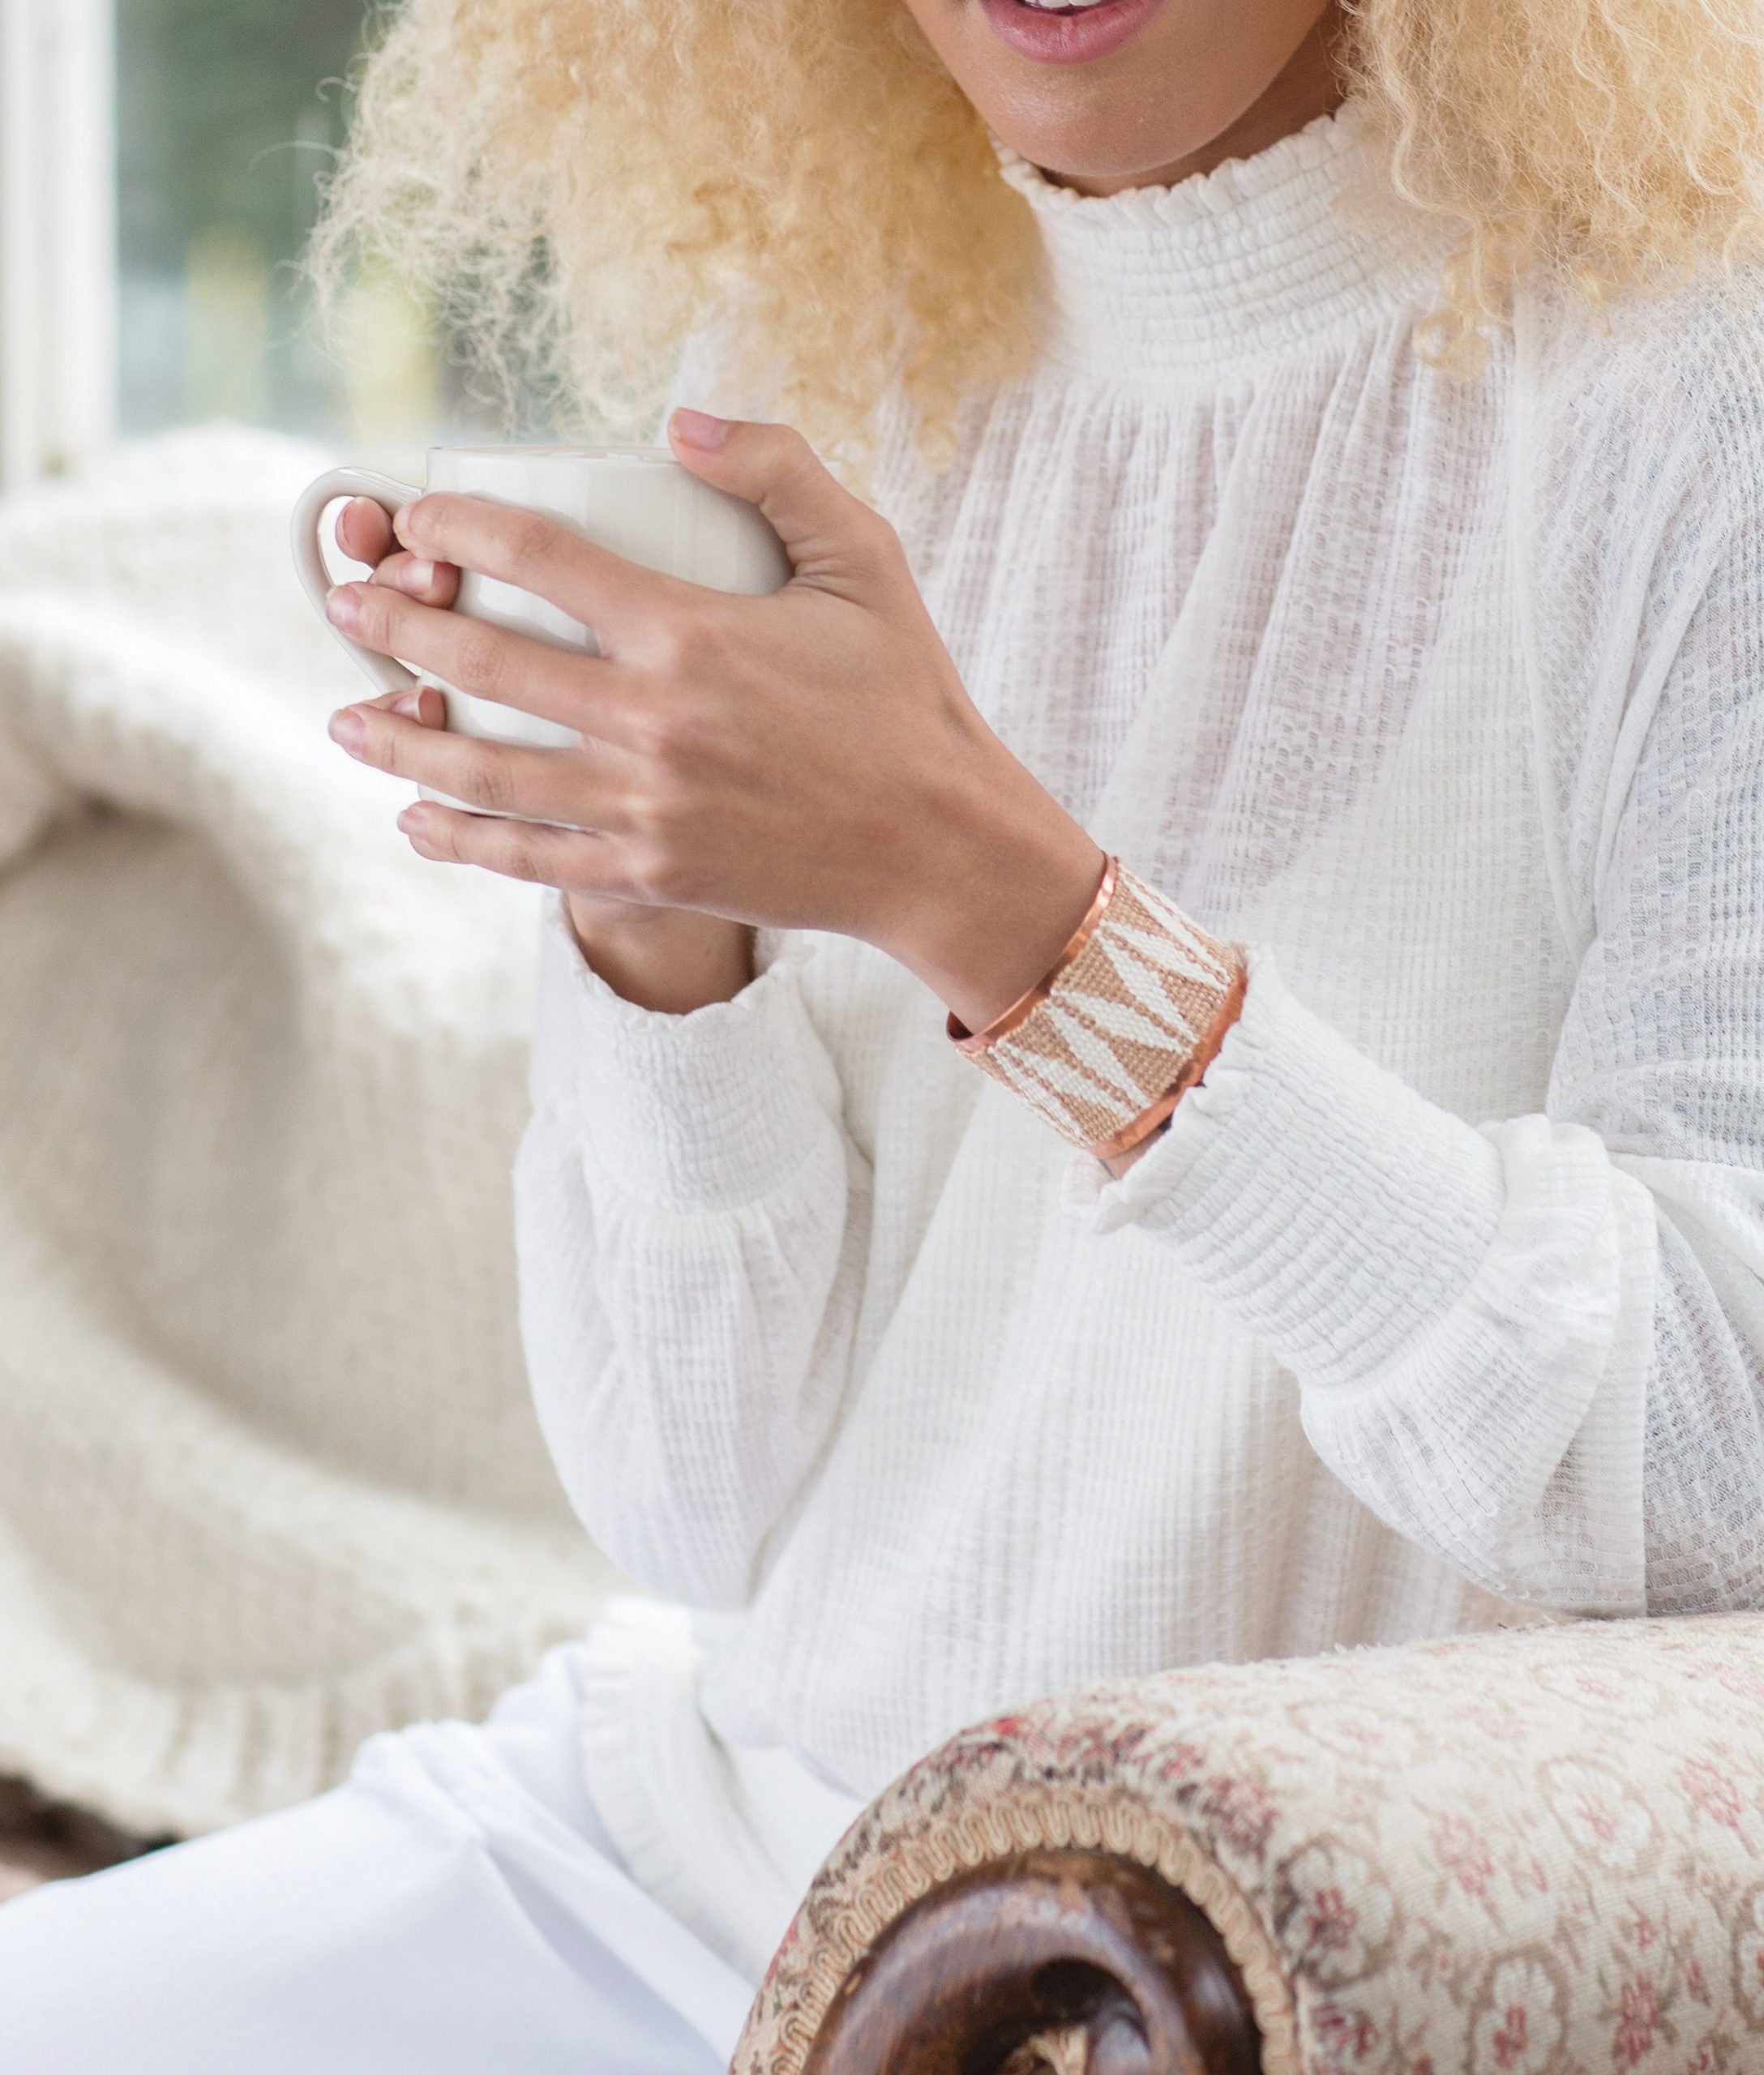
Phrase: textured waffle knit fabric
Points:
(269, 1475)
(1443, 1293)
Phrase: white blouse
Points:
(1446, 1291)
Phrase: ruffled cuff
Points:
(707, 1111)
(1332, 1208)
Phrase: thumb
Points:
(825, 529)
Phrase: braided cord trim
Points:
(1130, 1018)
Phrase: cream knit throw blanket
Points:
(269, 1478)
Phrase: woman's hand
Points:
(364, 534)
(667, 959)
(807, 760)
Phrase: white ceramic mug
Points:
(637, 501)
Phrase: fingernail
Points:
(413, 821)
(343, 607)
(698, 428)
(418, 576)
(408, 703)
(349, 730)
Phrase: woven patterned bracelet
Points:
(1130, 1017)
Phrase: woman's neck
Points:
(1308, 85)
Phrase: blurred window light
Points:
(228, 113)
(160, 162)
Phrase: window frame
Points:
(57, 236)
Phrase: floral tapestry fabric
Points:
(1535, 1852)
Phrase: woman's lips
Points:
(1071, 37)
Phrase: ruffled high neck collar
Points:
(1232, 267)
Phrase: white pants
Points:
(454, 1908)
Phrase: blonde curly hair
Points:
(578, 185)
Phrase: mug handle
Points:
(309, 508)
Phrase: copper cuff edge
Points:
(1025, 1006)
(1141, 1127)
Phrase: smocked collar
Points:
(1245, 263)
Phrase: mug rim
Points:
(554, 450)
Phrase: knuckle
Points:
(377, 616)
(479, 657)
(422, 525)
(663, 845)
(876, 533)
(669, 652)
(688, 645)
(521, 856)
(441, 836)
(668, 815)
(687, 730)
(661, 876)
(531, 538)
(380, 747)
(666, 733)
(797, 467)
(487, 784)
(642, 811)
(886, 534)
(790, 449)
(651, 733)
(640, 736)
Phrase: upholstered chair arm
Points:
(1535, 1850)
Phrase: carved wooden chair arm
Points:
(1066, 1962)
(1532, 1850)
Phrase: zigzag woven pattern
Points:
(1130, 1018)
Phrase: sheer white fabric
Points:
(1445, 1292)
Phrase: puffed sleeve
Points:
(689, 1213)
